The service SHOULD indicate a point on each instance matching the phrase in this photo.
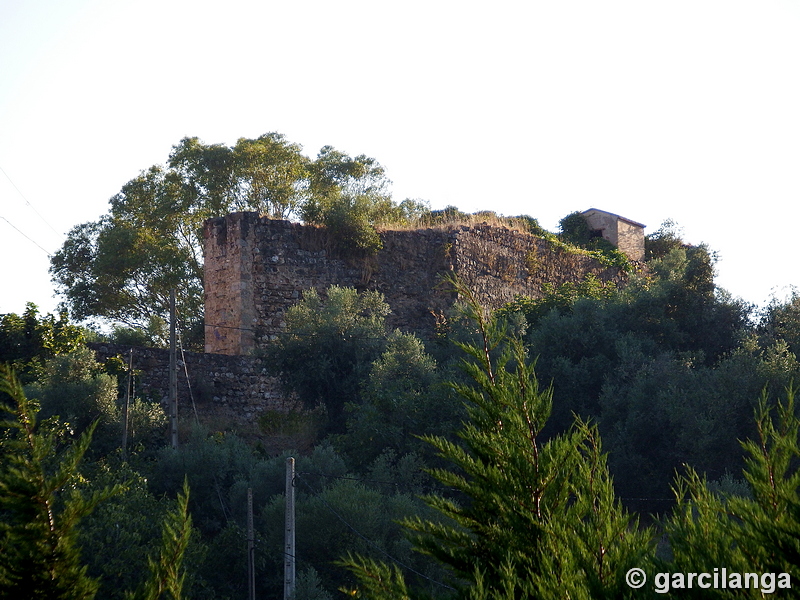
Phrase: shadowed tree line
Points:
(445, 476)
(469, 465)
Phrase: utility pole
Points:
(173, 373)
(251, 563)
(125, 408)
(289, 550)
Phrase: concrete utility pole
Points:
(251, 563)
(173, 373)
(289, 550)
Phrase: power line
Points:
(23, 234)
(28, 202)
(186, 371)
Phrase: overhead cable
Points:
(23, 234)
(28, 202)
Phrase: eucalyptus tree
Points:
(267, 175)
(122, 267)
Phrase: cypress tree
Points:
(40, 503)
(167, 575)
(755, 534)
(529, 518)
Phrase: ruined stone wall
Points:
(630, 240)
(228, 284)
(256, 268)
(227, 390)
(499, 264)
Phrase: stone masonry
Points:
(256, 268)
(625, 234)
(226, 391)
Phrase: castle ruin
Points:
(256, 268)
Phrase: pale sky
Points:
(688, 110)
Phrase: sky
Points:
(654, 110)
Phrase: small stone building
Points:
(625, 234)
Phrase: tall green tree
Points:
(122, 267)
(268, 175)
(122, 533)
(663, 240)
(336, 173)
(30, 339)
(759, 533)
(40, 503)
(74, 388)
(539, 519)
(167, 575)
(402, 398)
(329, 346)
(781, 321)
(349, 196)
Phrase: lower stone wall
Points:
(229, 392)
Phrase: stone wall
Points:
(225, 390)
(499, 263)
(256, 268)
(630, 240)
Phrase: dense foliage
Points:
(38, 531)
(122, 267)
(466, 466)
(27, 340)
(539, 519)
(632, 365)
(759, 531)
(329, 345)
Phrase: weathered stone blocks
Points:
(256, 268)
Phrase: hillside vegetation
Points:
(538, 451)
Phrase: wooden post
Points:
(289, 550)
(251, 563)
(173, 373)
(125, 408)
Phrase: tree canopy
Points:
(30, 339)
(668, 371)
(539, 517)
(122, 267)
